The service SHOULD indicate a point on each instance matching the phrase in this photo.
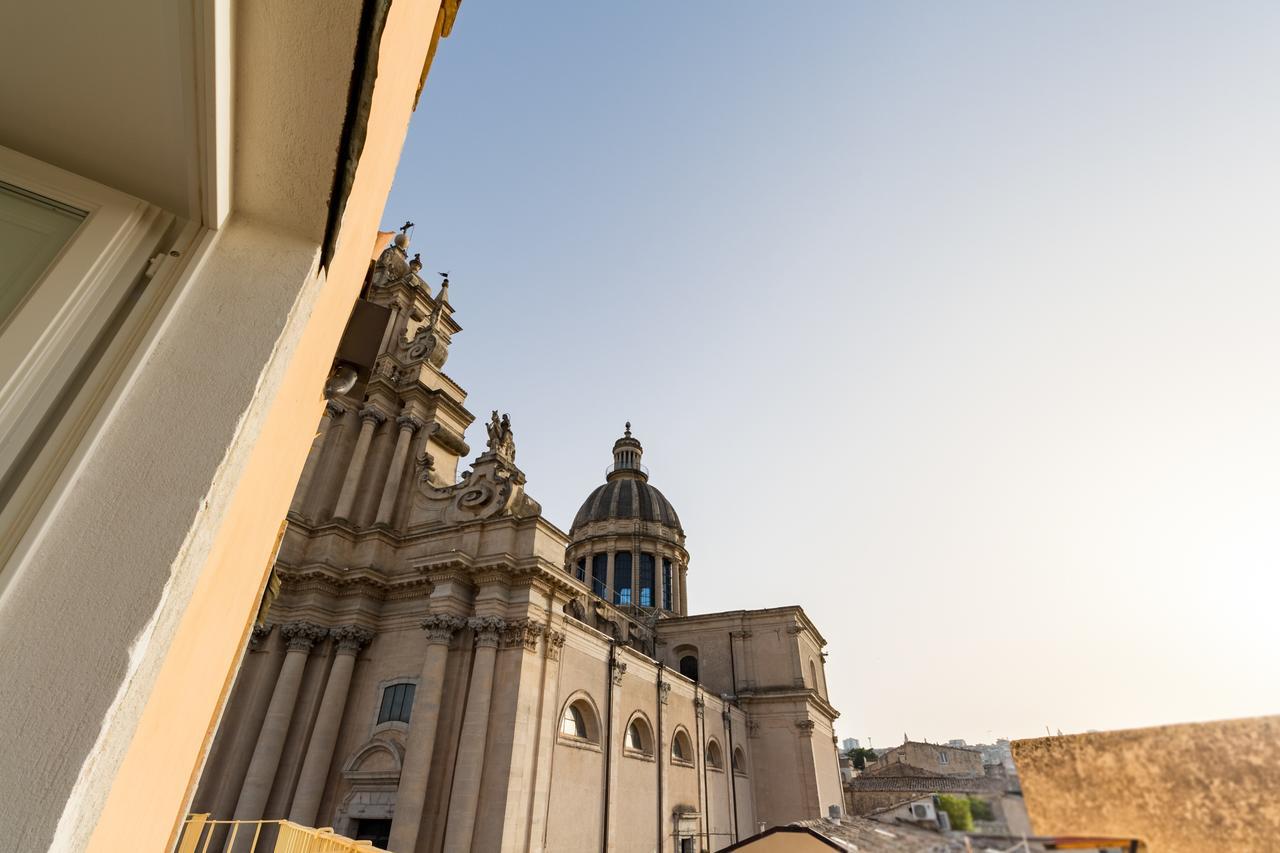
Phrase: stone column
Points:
(684, 598)
(386, 507)
(370, 418)
(411, 795)
(300, 636)
(475, 730)
(610, 591)
(348, 641)
(332, 411)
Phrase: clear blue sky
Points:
(957, 324)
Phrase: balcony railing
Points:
(626, 466)
(201, 835)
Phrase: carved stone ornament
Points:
(753, 728)
(386, 367)
(392, 266)
(259, 634)
(664, 691)
(699, 705)
(555, 642)
(370, 413)
(351, 638)
(794, 629)
(487, 629)
(501, 440)
(619, 670)
(522, 632)
(493, 487)
(805, 727)
(740, 635)
(440, 629)
(301, 636)
(409, 422)
(334, 409)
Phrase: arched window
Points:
(681, 748)
(715, 758)
(578, 722)
(639, 739)
(689, 666)
(573, 723)
(600, 574)
(813, 674)
(397, 703)
(739, 761)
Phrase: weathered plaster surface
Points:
(1193, 788)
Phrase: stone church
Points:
(438, 667)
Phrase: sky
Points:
(956, 324)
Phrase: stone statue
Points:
(501, 440)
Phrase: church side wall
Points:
(576, 806)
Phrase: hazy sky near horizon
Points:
(956, 324)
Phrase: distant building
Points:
(943, 759)
(998, 753)
(958, 742)
(849, 743)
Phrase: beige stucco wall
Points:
(183, 496)
(1198, 787)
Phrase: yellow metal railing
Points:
(201, 835)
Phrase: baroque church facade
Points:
(438, 667)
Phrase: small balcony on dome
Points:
(631, 465)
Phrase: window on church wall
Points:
(578, 722)
(600, 574)
(582, 569)
(639, 740)
(689, 667)
(715, 758)
(666, 584)
(647, 564)
(573, 724)
(397, 703)
(622, 577)
(739, 761)
(681, 748)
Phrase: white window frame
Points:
(61, 318)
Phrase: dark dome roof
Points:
(627, 497)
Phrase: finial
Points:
(407, 225)
(444, 279)
(628, 433)
(416, 263)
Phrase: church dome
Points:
(626, 493)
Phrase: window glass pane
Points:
(33, 229)
(666, 584)
(647, 563)
(622, 577)
(582, 569)
(599, 574)
(384, 713)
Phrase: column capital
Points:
(372, 413)
(699, 705)
(410, 422)
(440, 629)
(259, 634)
(522, 632)
(351, 638)
(805, 727)
(664, 691)
(555, 642)
(301, 636)
(619, 670)
(334, 409)
(487, 629)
